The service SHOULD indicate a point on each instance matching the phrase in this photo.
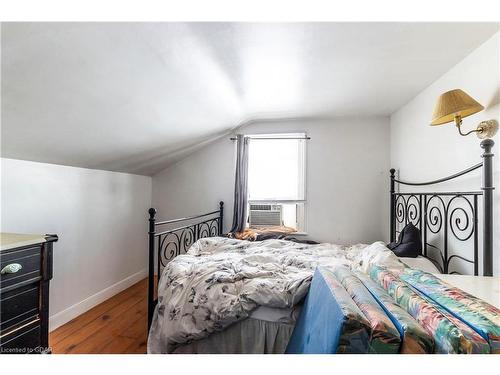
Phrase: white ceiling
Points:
(134, 97)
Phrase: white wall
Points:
(347, 178)
(100, 218)
(422, 152)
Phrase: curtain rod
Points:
(262, 138)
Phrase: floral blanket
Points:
(220, 281)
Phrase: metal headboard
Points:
(451, 215)
(167, 244)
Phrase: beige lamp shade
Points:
(452, 104)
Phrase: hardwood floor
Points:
(118, 325)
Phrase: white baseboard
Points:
(79, 308)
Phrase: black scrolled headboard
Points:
(173, 240)
(449, 216)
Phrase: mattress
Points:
(420, 263)
(269, 314)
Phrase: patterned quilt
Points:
(480, 315)
(384, 336)
(451, 334)
(220, 281)
(415, 339)
(330, 321)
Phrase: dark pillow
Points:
(409, 243)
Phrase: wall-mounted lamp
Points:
(455, 105)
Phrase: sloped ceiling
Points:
(134, 97)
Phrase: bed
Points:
(443, 218)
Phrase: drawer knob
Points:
(11, 268)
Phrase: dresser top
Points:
(12, 240)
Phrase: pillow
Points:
(330, 322)
(409, 243)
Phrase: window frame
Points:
(300, 203)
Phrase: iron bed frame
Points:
(434, 213)
(174, 241)
(440, 213)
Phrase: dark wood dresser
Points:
(26, 270)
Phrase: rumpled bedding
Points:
(270, 233)
(220, 281)
(255, 234)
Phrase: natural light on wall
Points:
(276, 177)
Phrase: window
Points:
(276, 180)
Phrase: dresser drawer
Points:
(19, 305)
(30, 261)
(27, 339)
(24, 292)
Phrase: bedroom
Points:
(266, 151)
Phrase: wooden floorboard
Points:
(118, 325)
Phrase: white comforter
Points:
(220, 281)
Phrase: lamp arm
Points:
(458, 122)
(470, 132)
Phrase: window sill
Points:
(285, 233)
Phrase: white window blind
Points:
(276, 168)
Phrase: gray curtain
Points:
(240, 185)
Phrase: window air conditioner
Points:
(265, 215)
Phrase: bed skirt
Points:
(249, 336)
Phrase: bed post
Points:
(151, 274)
(221, 217)
(392, 214)
(488, 188)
